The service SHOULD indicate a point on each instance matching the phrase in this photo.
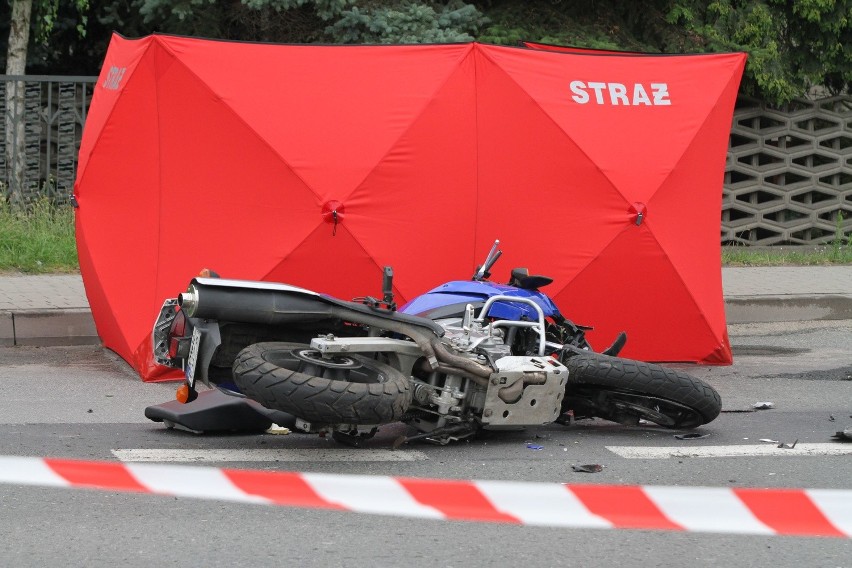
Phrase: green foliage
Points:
(409, 22)
(59, 34)
(46, 16)
(785, 256)
(338, 21)
(596, 25)
(325, 9)
(840, 246)
(38, 240)
(793, 45)
(204, 18)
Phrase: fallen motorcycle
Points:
(465, 356)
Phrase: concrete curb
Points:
(760, 309)
(75, 326)
(49, 327)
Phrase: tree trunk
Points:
(16, 62)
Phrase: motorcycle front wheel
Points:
(341, 389)
(626, 391)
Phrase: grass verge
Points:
(40, 240)
(838, 251)
(787, 256)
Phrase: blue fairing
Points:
(450, 299)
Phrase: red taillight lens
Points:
(176, 333)
(178, 328)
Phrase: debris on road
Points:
(763, 405)
(691, 436)
(277, 430)
(535, 447)
(769, 440)
(844, 435)
(788, 446)
(588, 468)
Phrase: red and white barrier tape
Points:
(802, 512)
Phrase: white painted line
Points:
(190, 455)
(660, 453)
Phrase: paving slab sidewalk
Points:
(53, 309)
(787, 293)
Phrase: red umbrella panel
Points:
(625, 155)
(310, 165)
(318, 165)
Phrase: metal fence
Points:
(45, 146)
(788, 175)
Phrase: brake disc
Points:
(333, 362)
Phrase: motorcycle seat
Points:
(521, 278)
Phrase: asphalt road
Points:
(83, 402)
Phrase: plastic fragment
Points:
(788, 446)
(278, 430)
(691, 436)
(588, 468)
(763, 405)
(770, 441)
(535, 447)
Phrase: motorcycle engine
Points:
(523, 390)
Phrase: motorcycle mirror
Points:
(493, 255)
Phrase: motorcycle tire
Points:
(348, 389)
(625, 391)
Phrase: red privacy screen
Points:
(602, 171)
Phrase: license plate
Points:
(189, 371)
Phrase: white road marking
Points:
(255, 455)
(660, 453)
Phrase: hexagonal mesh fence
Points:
(789, 173)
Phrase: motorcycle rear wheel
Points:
(348, 389)
(625, 391)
